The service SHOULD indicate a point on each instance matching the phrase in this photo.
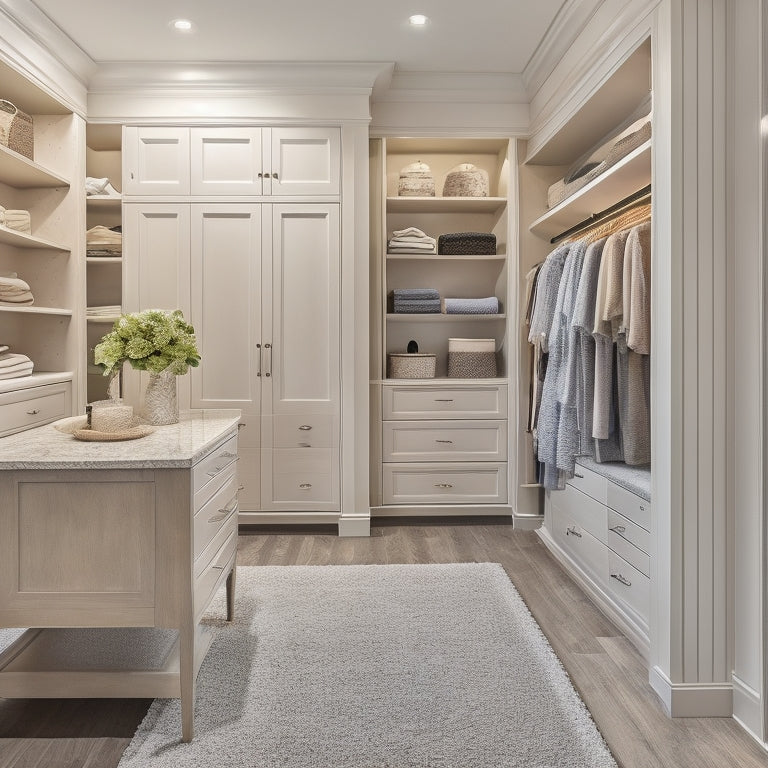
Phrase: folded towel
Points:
(404, 303)
(100, 235)
(12, 282)
(412, 239)
(94, 186)
(17, 301)
(425, 308)
(25, 369)
(416, 293)
(17, 220)
(409, 232)
(4, 348)
(410, 248)
(9, 360)
(489, 306)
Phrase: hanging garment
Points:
(534, 360)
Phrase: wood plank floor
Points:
(606, 670)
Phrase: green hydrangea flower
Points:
(153, 340)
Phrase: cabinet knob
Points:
(576, 474)
(33, 412)
(305, 445)
(305, 427)
(261, 175)
(274, 175)
(304, 486)
(240, 426)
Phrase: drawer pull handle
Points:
(618, 528)
(218, 567)
(305, 427)
(642, 508)
(216, 470)
(268, 348)
(305, 445)
(305, 486)
(240, 426)
(572, 532)
(576, 474)
(258, 346)
(621, 579)
(444, 441)
(240, 487)
(443, 399)
(33, 412)
(228, 455)
(225, 512)
(443, 485)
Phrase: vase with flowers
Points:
(159, 342)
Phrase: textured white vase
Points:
(161, 406)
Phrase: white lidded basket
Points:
(466, 180)
(411, 365)
(416, 180)
(472, 358)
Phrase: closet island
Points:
(112, 552)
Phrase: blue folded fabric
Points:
(489, 306)
(429, 306)
(416, 293)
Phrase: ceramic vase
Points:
(161, 405)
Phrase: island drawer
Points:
(210, 466)
(33, 407)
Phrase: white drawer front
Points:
(216, 570)
(630, 553)
(583, 510)
(622, 526)
(590, 482)
(470, 402)
(633, 507)
(215, 514)
(299, 478)
(445, 440)
(629, 585)
(481, 483)
(581, 545)
(313, 431)
(33, 407)
(212, 465)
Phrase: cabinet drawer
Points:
(33, 407)
(582, 510)
(480, 483)
(621, 526)
(470, 402)
(589, 482)
(215, 571)
(625, 502)
(445, 440)
(581, 545)
(313, 431)
(630, 553)
(302, 475)
(629, 585)
(210, 466)
(215, 513)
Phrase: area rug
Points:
(393, 666)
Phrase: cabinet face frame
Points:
(156, 160)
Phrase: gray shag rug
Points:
(380, 666)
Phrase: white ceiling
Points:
(470, 36)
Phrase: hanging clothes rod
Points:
(609, 213)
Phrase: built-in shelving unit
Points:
(48, 186)
(446, 204)
(104, 273)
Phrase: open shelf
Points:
(23, 240)
(107, 202)
(23, 173)
(445, 257)
(437, 317)
(103, 259)
(629, 175)
(103, 319)
(36, 379)
(33, 310)
(445, 204)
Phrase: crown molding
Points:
(463, 87)
(568, 24)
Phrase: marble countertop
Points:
(173, 446)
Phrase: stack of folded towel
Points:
(14, 366)
(13, 291)
(16, 219)
(95, 186)
(411, 240)
(104, 311)
(103, 241)
(422, 301)
(489, 306)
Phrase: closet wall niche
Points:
(439, 442)
(593, 167)
(103, 259)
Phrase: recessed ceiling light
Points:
(418, 20)
(182, 25)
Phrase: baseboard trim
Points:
(527, 522)
(748, 709)
(692, 699)
(287, 518)
(355, 525)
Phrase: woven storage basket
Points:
(466, 180)
(415, 365)
(472, 358)
(16, 129)
(467, 244)
(416, 180)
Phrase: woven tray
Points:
(91, 435)
(16, 129)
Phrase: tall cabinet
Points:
(240, 228)
(50, 331)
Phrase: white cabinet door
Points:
(226, 305)
(156, 160)
(155, 272)
(301, 371)
(226, 161)
(302, 161)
